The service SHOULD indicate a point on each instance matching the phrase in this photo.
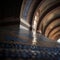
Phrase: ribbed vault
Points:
(44, 15)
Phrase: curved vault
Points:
(45, 14)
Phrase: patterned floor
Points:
(16, 43)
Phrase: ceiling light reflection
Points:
(34, 41)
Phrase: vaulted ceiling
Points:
(46, 14)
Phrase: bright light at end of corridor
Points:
(58, 40)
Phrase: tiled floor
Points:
(14, 33)
(16, 42)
